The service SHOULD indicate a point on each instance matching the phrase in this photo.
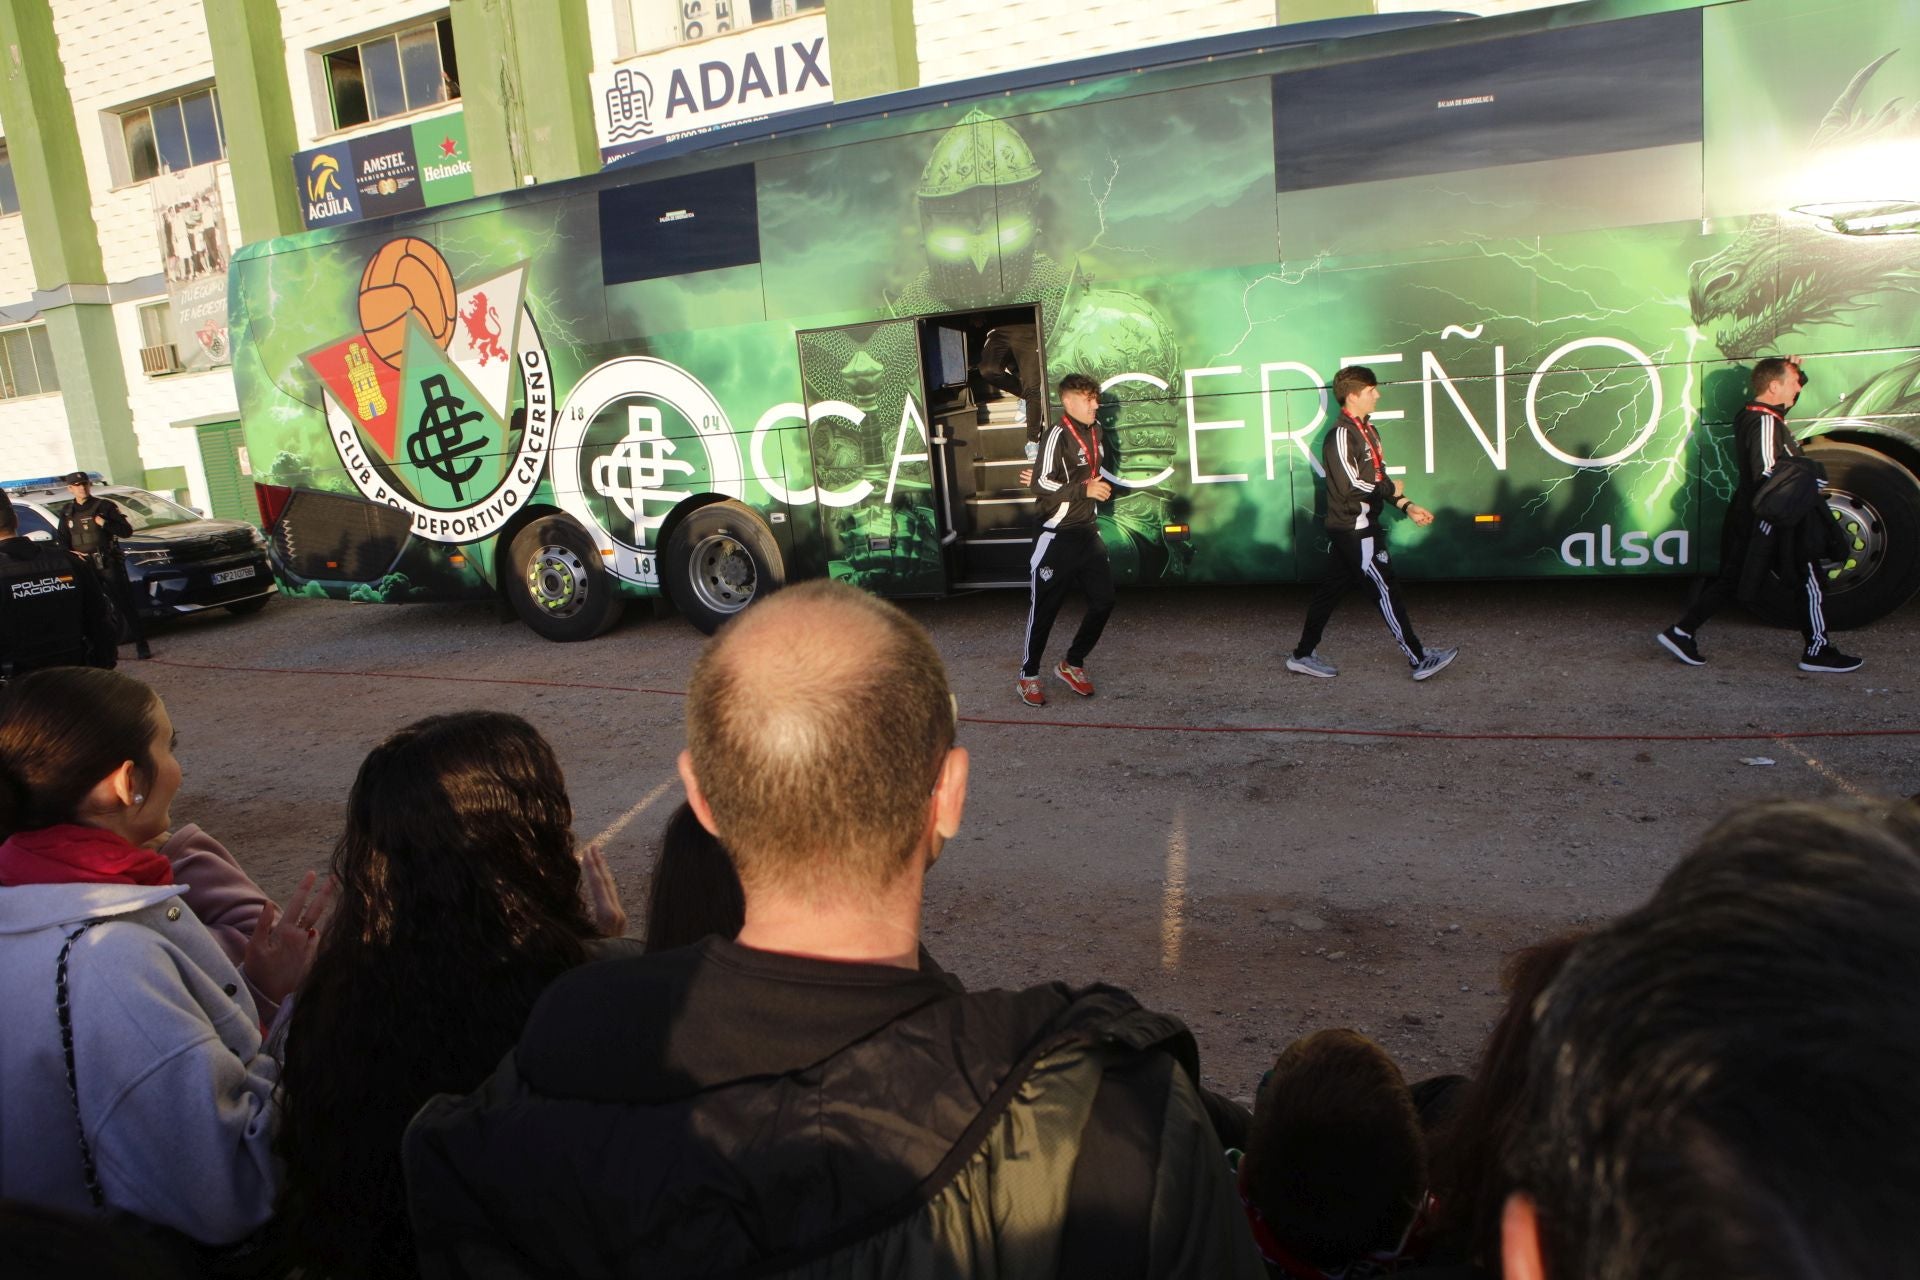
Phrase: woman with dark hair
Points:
(1467, 1177)
(695, 890)
(460, 899)
(136, 1077)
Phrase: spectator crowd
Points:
(445, 1058)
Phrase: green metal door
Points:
(223, 451)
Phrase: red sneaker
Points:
(1030, 691)
(1076, 678)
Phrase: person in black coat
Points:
(1763, 441)
(53, 610)
(91, 527)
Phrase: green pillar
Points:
(872, 47)
(523, 84)
(1285, 11)
(56, 207)
(256, 109)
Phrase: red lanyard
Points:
(1373, 446)
(1091, 455)
(1769, 410)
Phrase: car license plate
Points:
(233, 575)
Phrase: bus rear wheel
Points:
(720, 559)
(556, 584)
(1877, 502)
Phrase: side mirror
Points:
(40, 535)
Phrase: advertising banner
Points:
(446, 166)
(415, 166)
(193, 244)
(325, 178)
(386, 176)
(747, 75)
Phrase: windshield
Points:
(143, 510)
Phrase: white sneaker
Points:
(1312, 665)
(1434, 663)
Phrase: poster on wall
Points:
(193, 244)
(725, 79)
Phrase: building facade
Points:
(140, 140)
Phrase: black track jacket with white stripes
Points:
(1358, 492)
(1062, 472)
(1763, 438)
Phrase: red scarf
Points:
(73, 854)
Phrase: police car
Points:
(178, 561)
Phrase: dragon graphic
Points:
(1787, 272)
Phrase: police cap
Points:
(76, 477)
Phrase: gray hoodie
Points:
(175, 1092)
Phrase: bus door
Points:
(868, 434)
(985, 379)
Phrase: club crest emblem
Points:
(418, 401)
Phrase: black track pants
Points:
(1065, 561)
(1726, 587)
(1358, 560)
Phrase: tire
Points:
(1878, 503)
(720, 559)
(245, 607)
(555, 583)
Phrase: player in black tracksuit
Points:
(1762, 440)
(1358, 494)
(53, 611)
(1068, 555)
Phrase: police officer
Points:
(53, 610)
(91, 527)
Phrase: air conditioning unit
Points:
(160, 359)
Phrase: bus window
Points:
(1562, 130)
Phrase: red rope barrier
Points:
(1432, 735)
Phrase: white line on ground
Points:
(1822, 769)
(1173, 902)
(620, 823)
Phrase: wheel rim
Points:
(557, 581)
(722, 572)
(1866, 535)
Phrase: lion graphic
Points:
(483, 329)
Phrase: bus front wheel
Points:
(556, 584)
(720, 559)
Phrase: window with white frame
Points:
(392, 74)
(662, 24)
(173, 134)
(26, 363)
(9, 194)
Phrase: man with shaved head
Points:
(816, 1096)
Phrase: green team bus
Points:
(765, 353)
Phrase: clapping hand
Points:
(284, 941)
(602, 894)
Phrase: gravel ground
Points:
(1259, 883)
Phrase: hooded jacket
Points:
(175, 1093)
(720, 1111)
